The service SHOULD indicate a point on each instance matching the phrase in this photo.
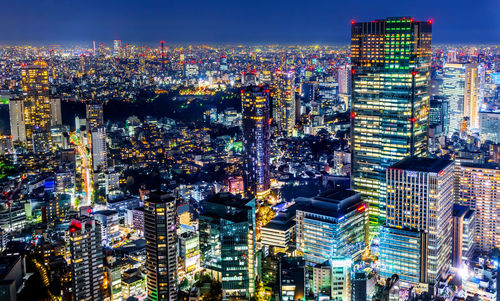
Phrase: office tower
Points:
(161, 246)
(85, 259)
(478, 187)
(37, 106)
(453, 88)
(189, 254)
(99, 149)
(284, 105)
(461, 87)
(344, 80)
(117, 45)
(55, 109)
(464, 231)
(110, 226)
(439, 114)
(472, 94)
(256, 141)
(292, 278)
(331, 225)
(17, 126)
(358, 288)
(95, 115)
(389, 102)
(228, 244)
(416, 240)
(489, 124)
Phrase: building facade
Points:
(420, 196)
(389, 102)
(161, 246)
(478, 187)
(256, 141)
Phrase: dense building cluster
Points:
(368, 172)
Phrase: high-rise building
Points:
(331, 225)
(256, 141)
(161, 246)
(55, 109)
(117, 45)
(284, 102)
(95, 115)
(85, 259)
(228, 244)
(438, 114)
(461, 87)
(472, 101)
(389, 102)
(464, 231)
(99, 149)
(416, 240)
(489, 124)
(17, 126)
(478, 187)
(37, 106)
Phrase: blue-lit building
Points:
(416, 240)
(389, 102)
(256, 141)
(331, 225)
(228, 245)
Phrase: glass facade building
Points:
(389, 102)
(161, 246)
(228, 244)
(478, 187)
(420, 196)
(256, 141)
(37, 106)
(331, 225)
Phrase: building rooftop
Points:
(422, 164)
(158, 196)
(7, 263)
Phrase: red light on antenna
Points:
(353, 21)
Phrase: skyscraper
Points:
(389, 102)
(99, 149)
(161, 246)
(228, 244)
(86, 259)
(331, 225)
(95, 115)
(472, 95)
(117, 45)
(37, 106)
(416, 241)
(284, 104)
(461, 87)
(17, 126)
(478, 187)
(256, 140)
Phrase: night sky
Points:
(231, 22)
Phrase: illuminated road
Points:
(85, 165)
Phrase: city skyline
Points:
(227, 23)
